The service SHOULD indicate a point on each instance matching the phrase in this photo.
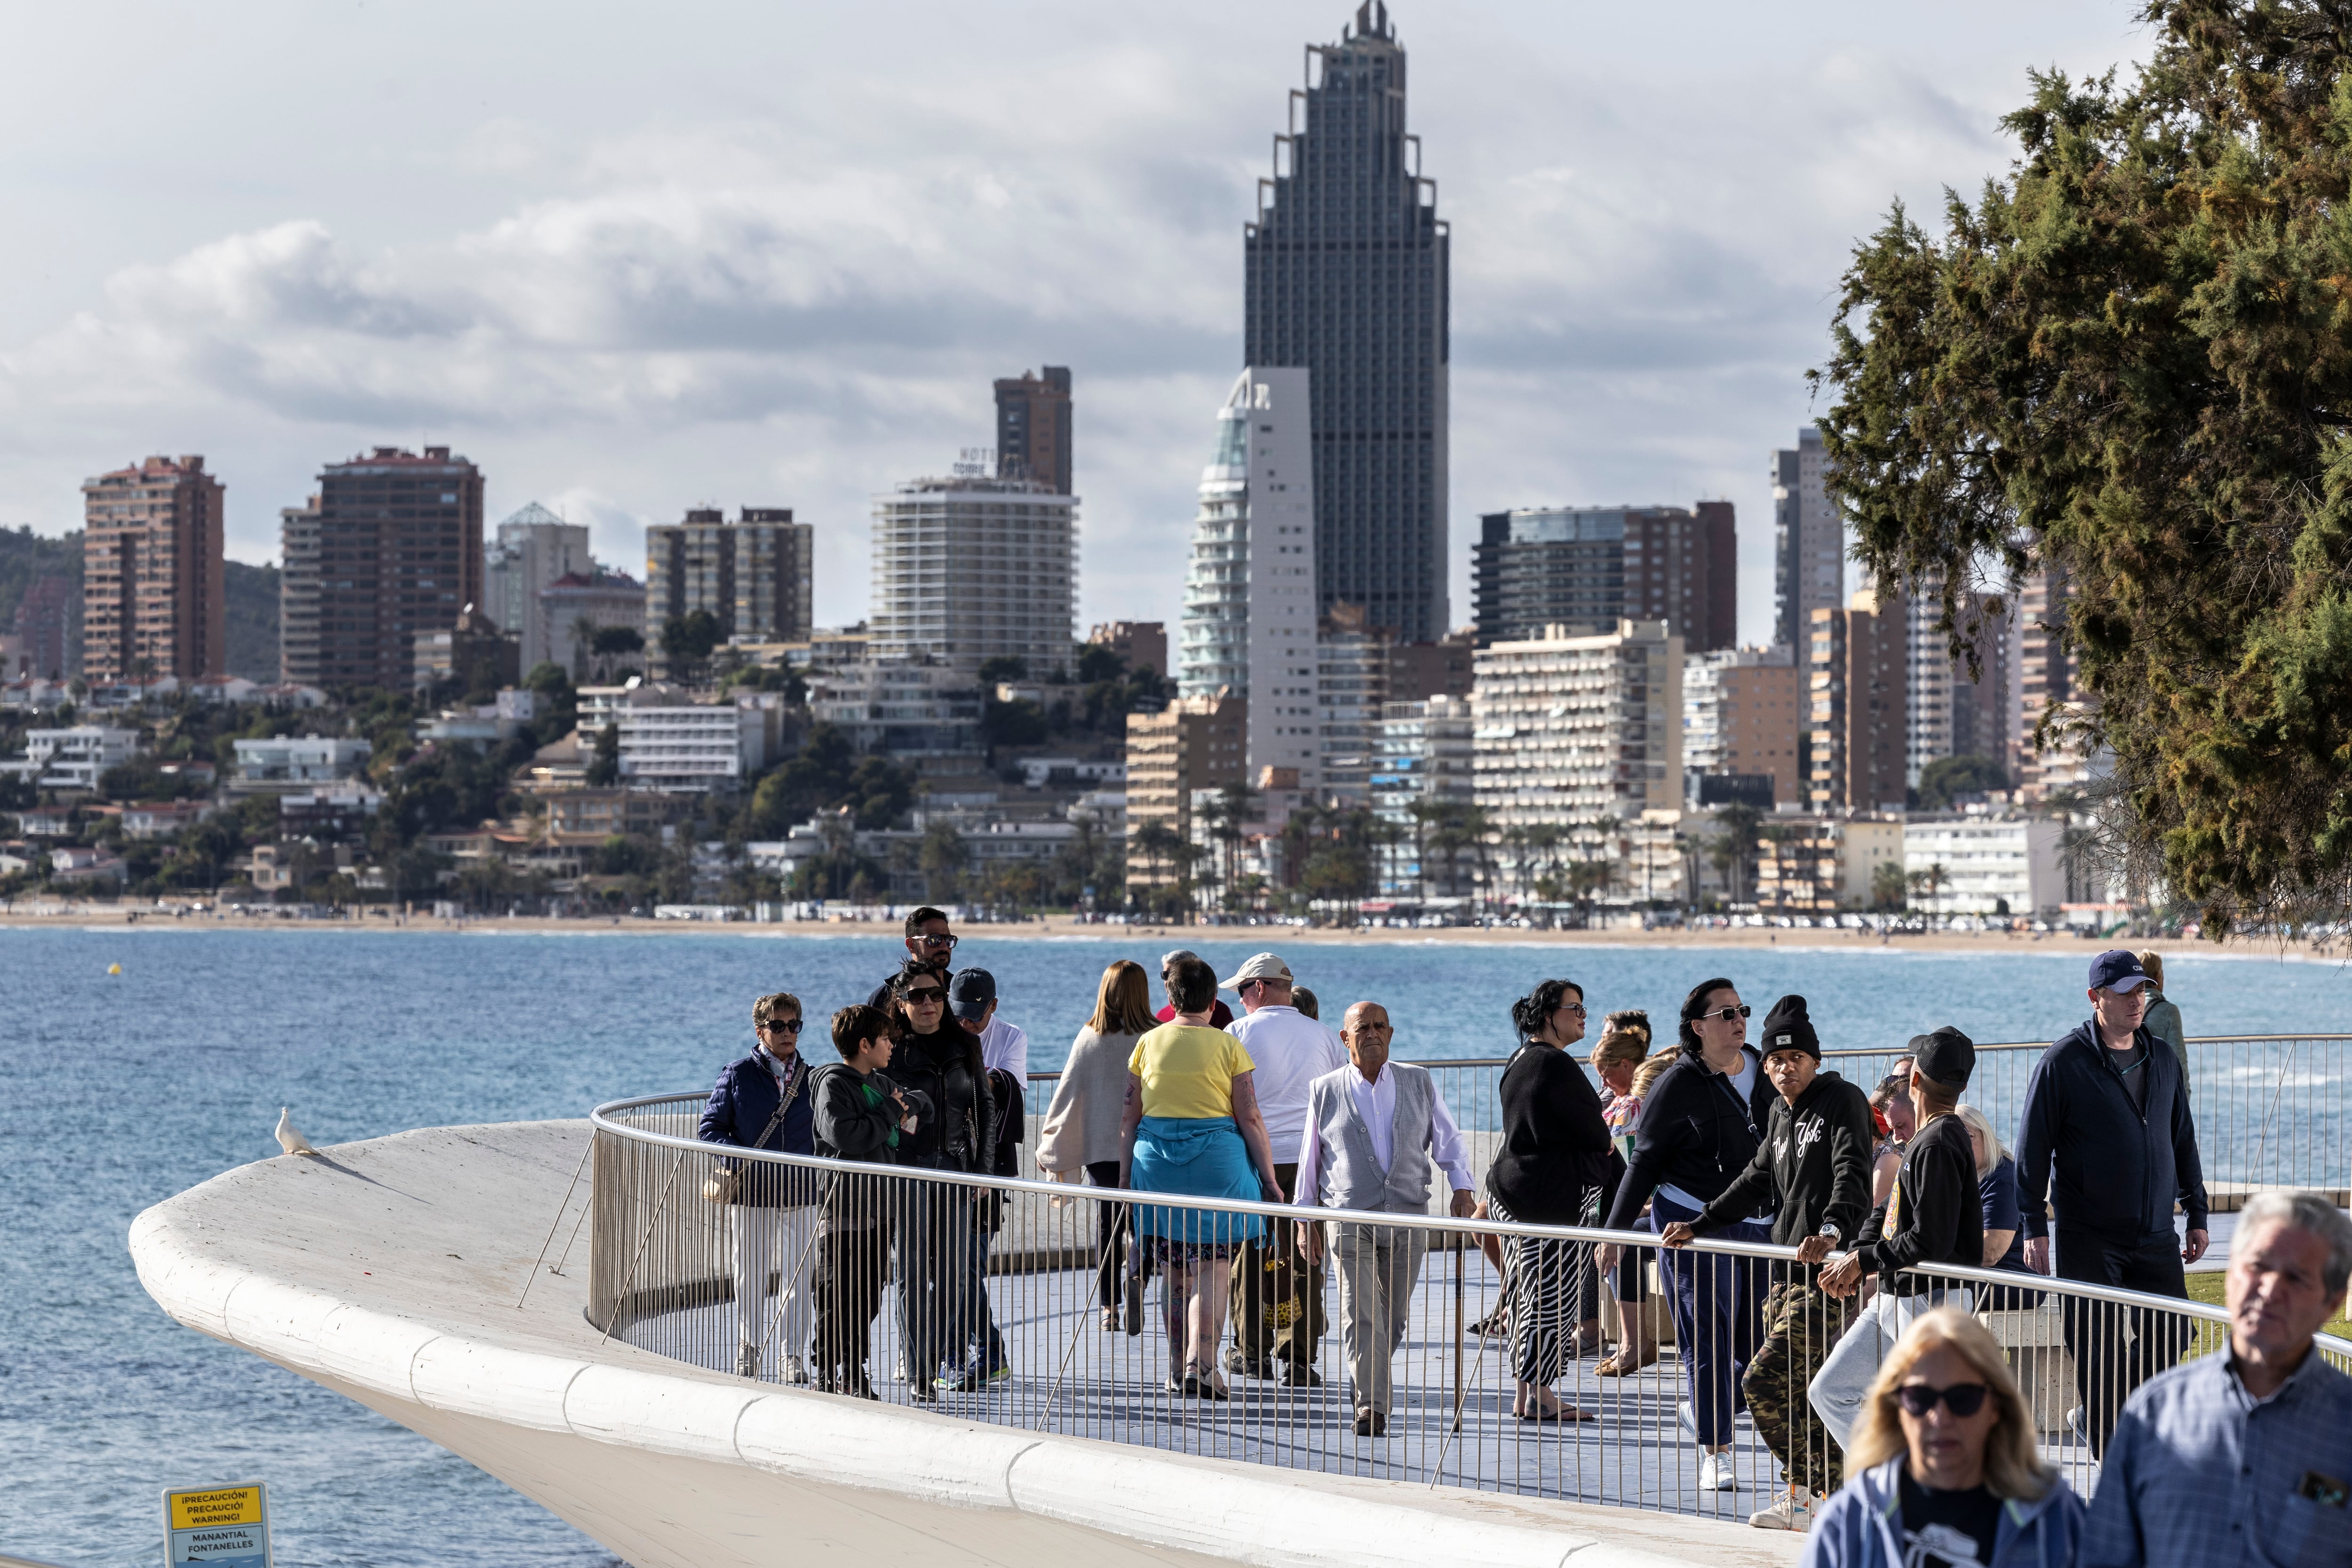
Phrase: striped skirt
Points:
(1546, 1285)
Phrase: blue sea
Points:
(129, 1088)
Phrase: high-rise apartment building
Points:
(1855, 664)
(1033, 428)
(1572, 729)
(1346, 276)
(1588, 568)
(1249, 625)
(751, 574)
(44, 628)
(529, 550)
(1424, 757)
(1950, 712)
(391, 546)
(1351, 689)
(1807, 540)
(153, 577)
(1743, 711)
(1193, 743)
(972, 568)
(2048, 682)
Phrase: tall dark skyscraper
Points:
(1348, 278)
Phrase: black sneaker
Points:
(1298, 1374)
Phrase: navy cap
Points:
(970, 993)
(2117, 970)
(1944, 1057)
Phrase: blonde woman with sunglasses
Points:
(1943, 1469)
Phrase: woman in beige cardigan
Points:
(1079, 1140)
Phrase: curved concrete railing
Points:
(386, 1272)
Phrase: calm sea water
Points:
(127, 1089)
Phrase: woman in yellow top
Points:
(1191, 1126)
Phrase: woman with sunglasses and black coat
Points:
(1699, 1126)
(951, 1337)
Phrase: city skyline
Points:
(820, 292)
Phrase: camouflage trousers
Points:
(1802, 1326)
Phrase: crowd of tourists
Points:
(1858, 1353)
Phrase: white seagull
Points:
(289, 1137)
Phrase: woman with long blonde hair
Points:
(1942, 1469)
(1079, 1138)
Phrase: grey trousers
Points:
(1378, 1267)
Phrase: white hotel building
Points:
(972, 568)
(1572, 730)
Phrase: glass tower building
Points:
(1347, 277)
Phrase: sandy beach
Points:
(1836, 939)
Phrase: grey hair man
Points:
(2244, 1457)
(1377, 1132)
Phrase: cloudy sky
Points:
(634, 259)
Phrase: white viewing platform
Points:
(388, 1271)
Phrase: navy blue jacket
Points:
(740, 1109)
(2108, 1168)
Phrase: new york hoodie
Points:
(1814, 1159)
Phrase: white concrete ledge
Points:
(389, 1271)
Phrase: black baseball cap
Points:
(1945, 1056)
(970, 993)
(2117, 968)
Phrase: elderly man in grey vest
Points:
(1376, 1131)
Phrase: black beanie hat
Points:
(1786, 1029)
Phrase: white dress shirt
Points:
(1376, 1103)
(1290, 1050)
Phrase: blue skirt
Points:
(1199, 1157)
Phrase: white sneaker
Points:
(1792, 1510)
(746, 1361)
(1687, 1418)
(796, 1370)
(1715, 1474)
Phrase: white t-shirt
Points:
(1005, 1047)
(1291, 1050)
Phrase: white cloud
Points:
(798, 299)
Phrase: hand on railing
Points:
(1843, 1277)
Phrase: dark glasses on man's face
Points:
(936, 940)
(1728, 1013)
(1963, 1399)
(783, 1026)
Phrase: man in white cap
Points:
(1278, 1297)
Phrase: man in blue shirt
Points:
(2244, 1457)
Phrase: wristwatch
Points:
(1831, 1231)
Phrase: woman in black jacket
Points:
(1700, 1125)
(1549, 1170)
(861, 1115)
(761, 1102)
(951, 1337)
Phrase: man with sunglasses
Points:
(761, 1101)
(1933, 1216)
(1004, 1046)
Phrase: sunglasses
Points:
(1575, 1007)
(1963, 1399)
(926, 995)
(936, 940)
(1728, 1013)
(783, 1026)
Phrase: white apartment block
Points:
(900, 708)
(308, 759)
(972, 568)
(690, 748)
(1249, 619)
(1984, 863)
(529, 550)
(1573, 730)
(72, 758)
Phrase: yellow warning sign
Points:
(226, 1527)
